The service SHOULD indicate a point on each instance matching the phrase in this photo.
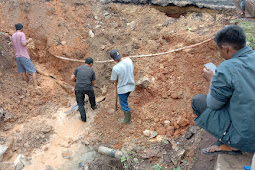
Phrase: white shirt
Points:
(123, 71)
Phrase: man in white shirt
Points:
(123, 75)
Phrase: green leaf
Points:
(136, 160)
(165, 141)
(190, 29)
(123, 159)
(178, 168)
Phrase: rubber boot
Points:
(127, 118)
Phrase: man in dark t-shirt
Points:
(84, 76)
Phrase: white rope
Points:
(139, 56)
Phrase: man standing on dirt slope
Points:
(123, 77)
(228, 111)
(84, 76)
(24, 63)
(245, 8)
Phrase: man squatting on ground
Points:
(228, 111)
(123, 77)
(84, 76)
(245, 8)
(24, 64)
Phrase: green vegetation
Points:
(158, 167)
(249, 28)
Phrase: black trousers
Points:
(80, 96)
(198, 104)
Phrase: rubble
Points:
(144, 82)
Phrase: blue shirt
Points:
(233, 86)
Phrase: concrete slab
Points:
(212, 4)
(233, 162)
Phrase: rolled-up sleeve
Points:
(220, 90)
(212, 103)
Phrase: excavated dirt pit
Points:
(33, 121)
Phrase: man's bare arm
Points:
(73, 78)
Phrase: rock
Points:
(91, 34)
(147, 133)
(177, 95)
(2, 114)
(177, 157)
(188, 135)
(48, 167)
(102, 47)
(17, 160)
(1, 74)
(144, 82)
(7, 166)
(24, 160)
(67, 154)
(161, 130)
(97, 26)
(105, 1)
(3, 149)
(169, 21)
(154, 134)
(132, 25)
(150, 134)
(88, 157)
(104, 90)
(81, 165)
(19, 166)
(166, 123)
(63, 43)
(194, 129)
(84, 142)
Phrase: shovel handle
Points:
(116, 99)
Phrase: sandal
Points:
(224, 149)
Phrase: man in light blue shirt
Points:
(123, 75)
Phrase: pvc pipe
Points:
(110, 152)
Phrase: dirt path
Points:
(69, 131)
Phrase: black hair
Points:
(18, 26)
(232, 35)
(89, 60)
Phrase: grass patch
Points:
(249, 28)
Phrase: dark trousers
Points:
(198, 104)
(80, 96)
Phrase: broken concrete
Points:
(233, 162)
(212, 4)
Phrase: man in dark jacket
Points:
(84, 77)
(228, 111)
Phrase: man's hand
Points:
(115, 82)
(73, 78)
(208, 74)
(29, 41)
